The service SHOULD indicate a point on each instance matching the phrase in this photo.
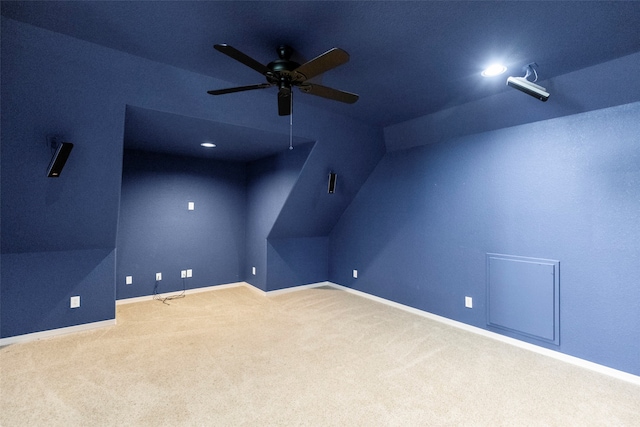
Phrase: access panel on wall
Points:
(523, 296)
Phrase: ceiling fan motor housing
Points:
(281, 70)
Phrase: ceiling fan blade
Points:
(234, 53)
(318, 65)
(284, 103)
(238, 89)
(330, 93)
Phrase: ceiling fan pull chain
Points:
(291, 122)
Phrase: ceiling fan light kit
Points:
(285, 74)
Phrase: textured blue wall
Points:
(156, 232)
(43, 283)
(297, 261)
(58, 235)
(346, 148)
(269, 183)
(566, 189)
(41, 95)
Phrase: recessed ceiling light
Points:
(494, 70)
(208, 145)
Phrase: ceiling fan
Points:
(285, 73)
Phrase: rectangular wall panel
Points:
(523, 296)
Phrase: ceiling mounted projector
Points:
(523, 84)
(528, 87)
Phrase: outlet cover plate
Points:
(74, 302)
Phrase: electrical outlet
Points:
(468, 302)
(74, 302)
(128, 280)
(183, 274)
(189, 273)
(158, 276)
(191, 206)
(355, 274)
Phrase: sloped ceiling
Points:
(408, 59)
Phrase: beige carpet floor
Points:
(315, 357)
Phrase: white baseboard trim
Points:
(277, 292)
(254, 288)
(94, 325)
(224, 286)
(187, 292)
(605, 370)
(55, 332)
(295, 288)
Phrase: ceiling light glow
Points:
(494, 70)
(208, 145)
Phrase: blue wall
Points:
(157, 233)
(58, 235)
(566, 189)
(37, 286)
(269, 183)
(297, 261)
(54, 84)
